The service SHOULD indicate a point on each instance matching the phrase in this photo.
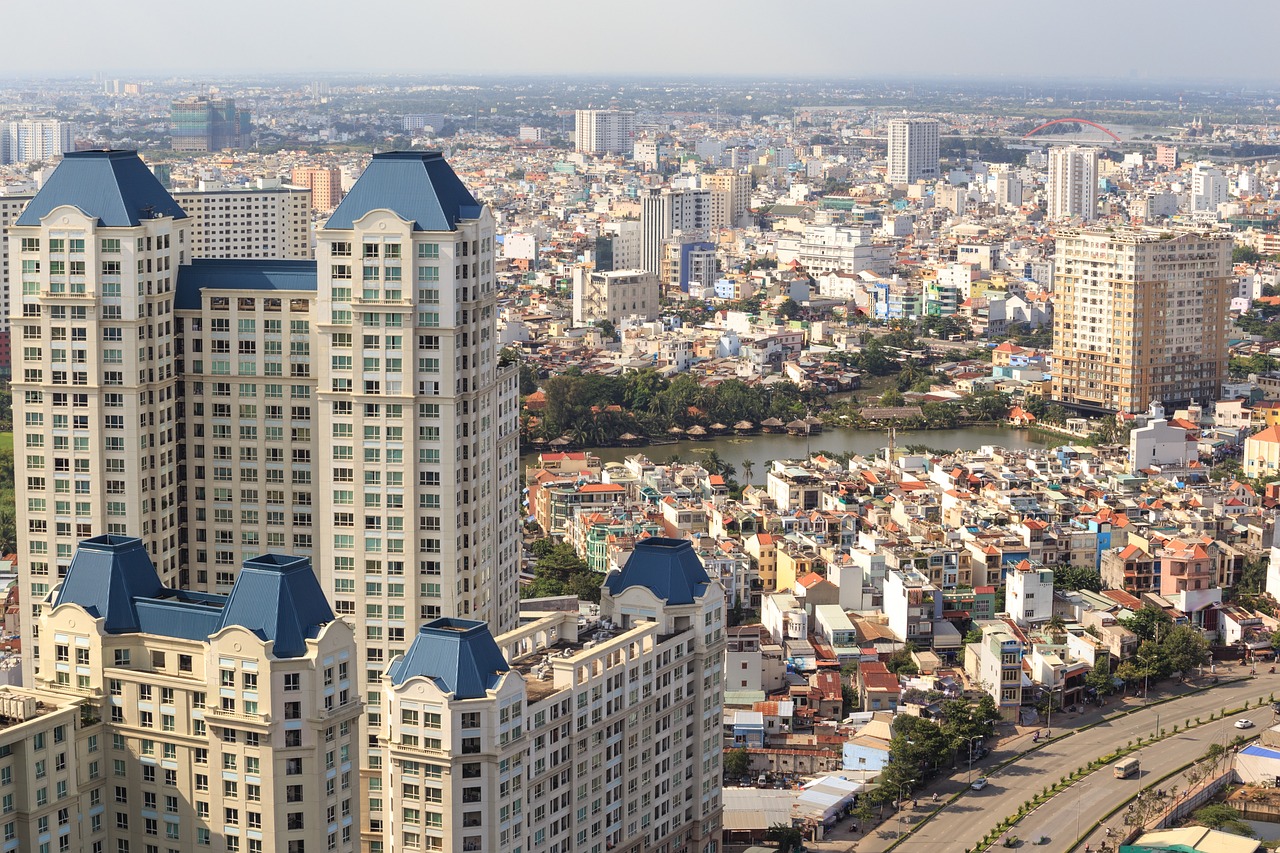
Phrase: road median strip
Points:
(1124, 712)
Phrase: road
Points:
(1067, 818)
(960, 825)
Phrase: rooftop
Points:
(276, 597)
(114, 187)
(241, 274)
(418, 186)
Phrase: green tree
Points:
(1245, 255)
(1099, 678)
(1148, 622)
(560, 571)
(789, 309)
(1184, 648)
(737, 763)
(892, 397)
(1224, 817)
(901, 663)
(787, 837)
(1077, 577)
(1057, 627)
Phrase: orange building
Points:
(325, 184)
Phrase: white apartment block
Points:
(1209, 188)
(11, 208)
(36, 140)
(187, 721)
(604, 131)
(221, 408)
(615, 296)
(544, 740)
(665, 212)
(249, 223)
(913, 151)
(836, 248)
(1073, 182)
(1030, 595)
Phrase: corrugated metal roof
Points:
(241, 274)
(115, 187)
(106, 576)
(669, 568)
(419, 186)
(278, 598)
(459, 655)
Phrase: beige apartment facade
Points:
(551, 737)
(1140, 315)
(249, 223)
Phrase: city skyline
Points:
(850, 41)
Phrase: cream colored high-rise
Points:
(1139, 315)
(350, 409)
(249, 223)
(419, 452)
(95, 256)
(202, 723)
(544, 739)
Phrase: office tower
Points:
(1140, 315)
(96, 397)
(208, 124)
(604, 131)
(664, 212)
(648, 153)
(1167, 157)
(1073, 182)
(1008, 189)
(325, 184)
(685, 262)
(36, 140)
(1209, 188)
(551, 737)
(913, 150)
(248, 223)
(187, 719)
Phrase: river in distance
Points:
(762, 449)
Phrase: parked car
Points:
(979, 783)
(1244, 724)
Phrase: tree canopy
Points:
(560, 571)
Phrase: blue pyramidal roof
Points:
(669, 568)
(418, 186)
(279, 599)
(459, 655)
(276, 597)
(115, 187)
(107, 576)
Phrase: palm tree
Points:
(747, 467)
(1057, 626)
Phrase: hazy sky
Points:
(1133, 39)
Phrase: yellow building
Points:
(1140, 315)
(1262, 453)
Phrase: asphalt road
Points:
(960, 825)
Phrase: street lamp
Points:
(901, 789)
(969, 780)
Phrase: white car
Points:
(979, 783)
(1244, 724)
